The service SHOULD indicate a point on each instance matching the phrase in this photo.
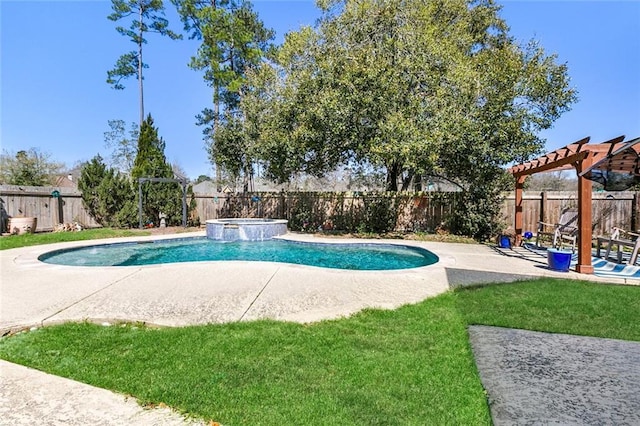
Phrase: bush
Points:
(107, 195)
(380, 213)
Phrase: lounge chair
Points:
(620, 238)
(565, 230)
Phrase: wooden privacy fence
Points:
(347, 211)
(41, 202)
(609, 209)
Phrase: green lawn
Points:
(412, 365)
(15, 241)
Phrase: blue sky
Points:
(55, 55)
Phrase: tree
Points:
(417, 88)
(31, 167)
(233, 40)
(107, 194)
(150, 162)
(202, 178)
(147, 16)
(124, 147)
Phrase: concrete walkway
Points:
(35, 294)
(544, 378)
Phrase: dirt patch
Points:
(174, 230)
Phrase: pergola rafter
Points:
(615, 156)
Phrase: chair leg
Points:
(606, 255)
(634, 255)
(620, 252)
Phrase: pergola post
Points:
(585, 219)
(518, 216)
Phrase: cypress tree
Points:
(151, 162)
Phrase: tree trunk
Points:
(216, 114)
(392, 177)
(407, 180)
(140, 69)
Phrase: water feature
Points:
(254, 229)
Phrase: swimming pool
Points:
(352, 256)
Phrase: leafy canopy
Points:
(417, 88)
(107, 194)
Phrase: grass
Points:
(412, 365)
(24, 240)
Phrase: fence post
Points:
(59, 210)
(543, 206)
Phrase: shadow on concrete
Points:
(459, 278)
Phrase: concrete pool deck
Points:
(34, 294)
(38, 294)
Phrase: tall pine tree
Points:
(234, 39)
(146, 16)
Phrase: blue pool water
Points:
(338, 256)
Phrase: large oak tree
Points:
(418, 88)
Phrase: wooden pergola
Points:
(613, 156)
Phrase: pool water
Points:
(338, 256)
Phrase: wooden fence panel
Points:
(609, 209)
(38, 201)
(339, 210)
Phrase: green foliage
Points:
(380, 213)
(193, 219)
(233, 40)
(150, 162)
(92, 174)
(418, 88)
(477, 211)
(127, 65)
(31, 167)
(301, 216)
(107, 195)
(202, 178)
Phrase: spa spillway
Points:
(245, 229)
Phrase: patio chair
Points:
(565, 230)
(631, 240)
